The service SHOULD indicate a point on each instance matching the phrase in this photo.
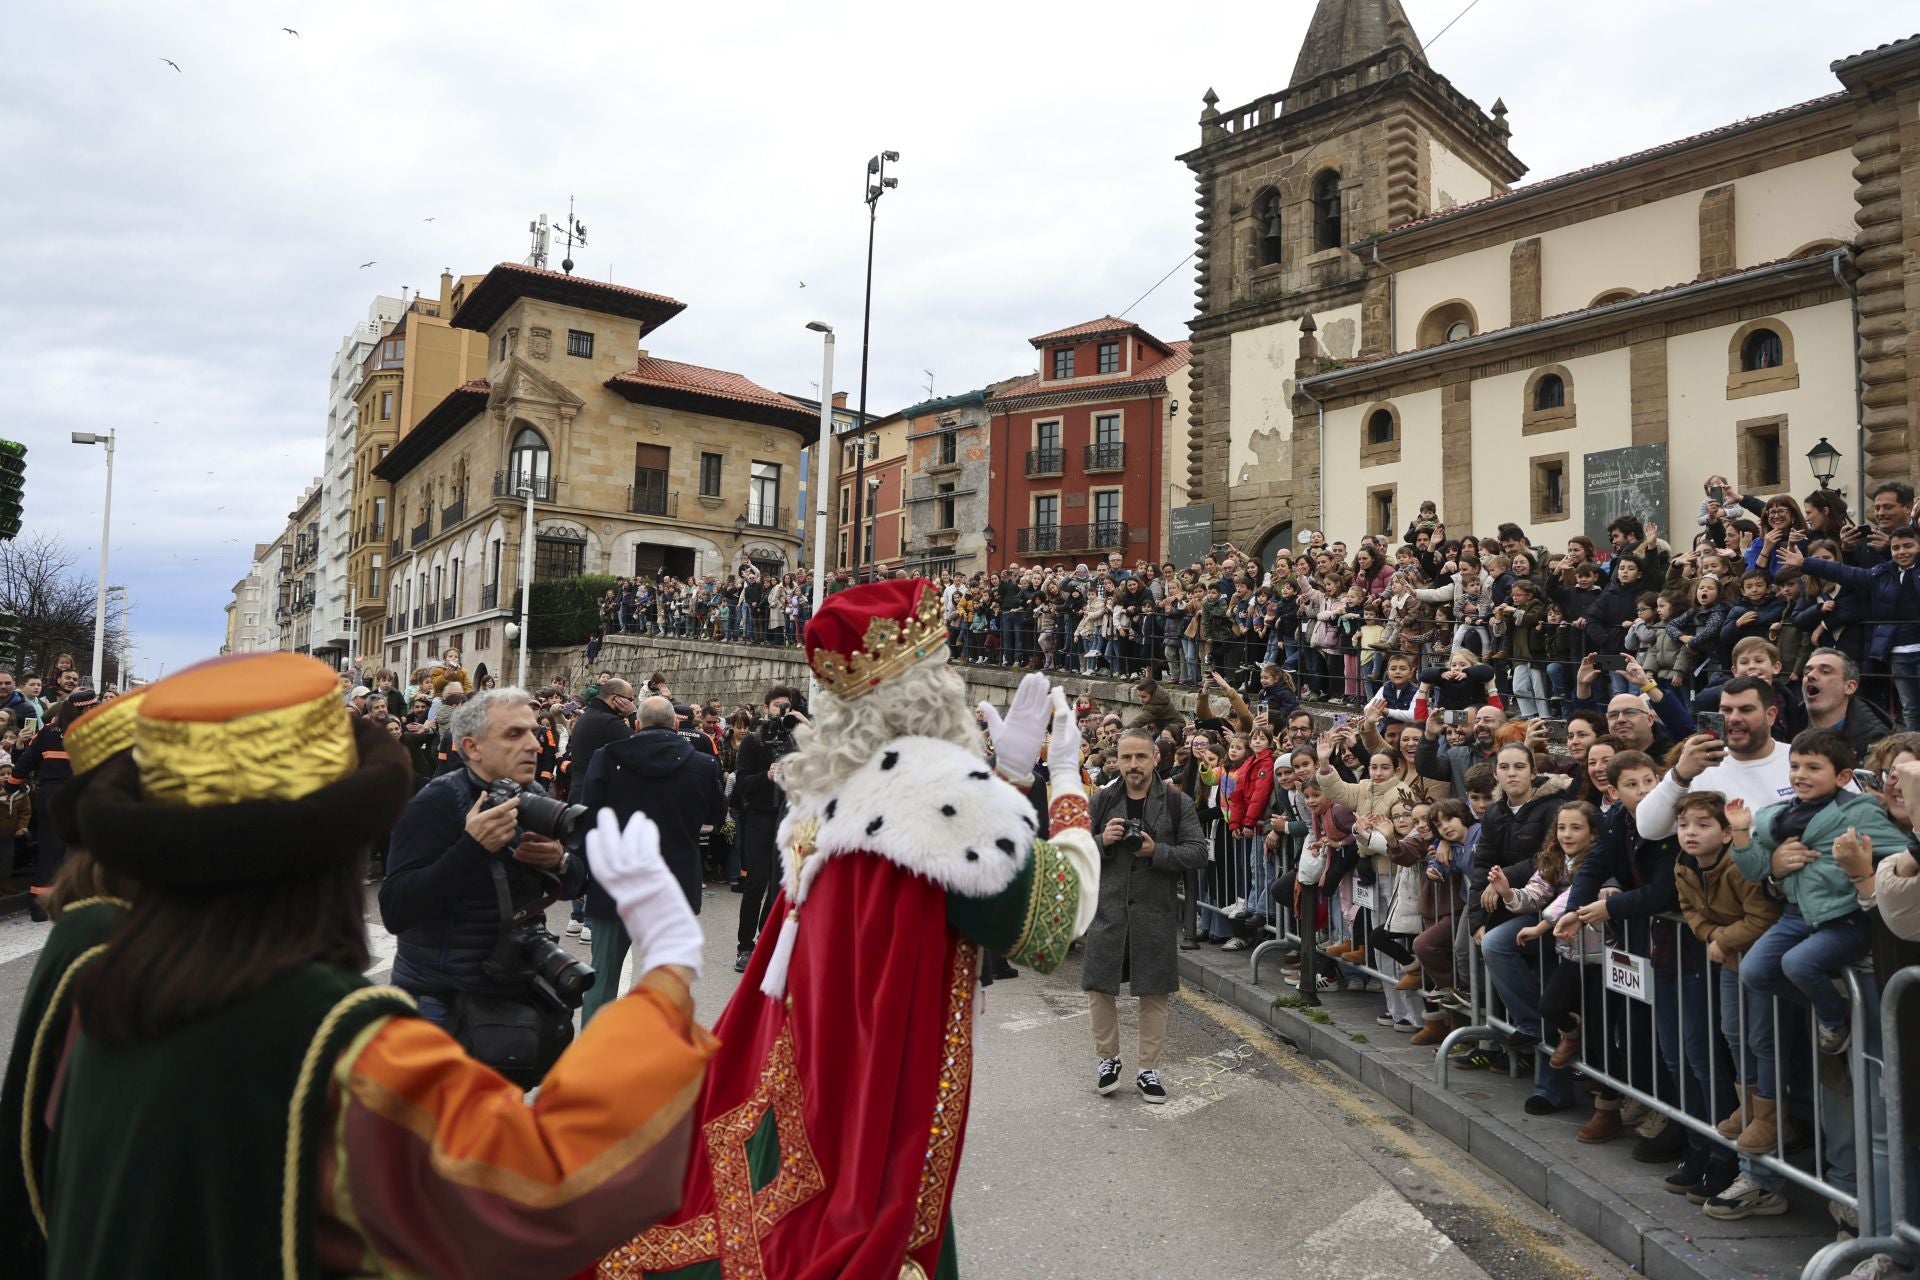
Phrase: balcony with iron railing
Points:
(1046, 462)
(490, 596)
(765, 517)
(446, 609)
(395, 624)
(421, 532)
(417, 611)
(1051, 539)
(507, 485)
(433, 612)
(1111, 456)
(453, 513)
(651, 500)
(393, 548)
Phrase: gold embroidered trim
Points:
(1051, 903)
(742, 1217)
(103, 731)
(950, 1111)
(282, 754)
(29, 1107)
(1069, 811)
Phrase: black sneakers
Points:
(1109, 1077)
(1148, 1083)
(740, 961)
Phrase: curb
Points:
(1652, 1247)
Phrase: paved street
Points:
(1263, 1163)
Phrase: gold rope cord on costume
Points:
(103, 731)
(282, 754)
(28, 1166)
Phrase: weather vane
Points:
(574, 232)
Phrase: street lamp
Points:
(878, 184)
(829, 460)
(526, 572)
(106, 528)
(1825, 461)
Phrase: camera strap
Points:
(501, 893)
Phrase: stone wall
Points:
(742, 673)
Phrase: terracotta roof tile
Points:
(675, 376)
(1105, 324)
(1033, 384)
(1679, 144)
(1876, 51)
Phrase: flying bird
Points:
(369, 262)
(170, 62)
(429, 219)
(290, 31)
(803, 284)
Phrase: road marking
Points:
(1383, 1228)
(1184, 1105)
(1359, 1105)
(20, 936)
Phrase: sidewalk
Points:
(1599, 1190)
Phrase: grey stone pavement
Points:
(1264, 1162)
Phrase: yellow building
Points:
(409, 371)
(637, 465)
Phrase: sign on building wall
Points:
(1192, 533)
(1623, 482)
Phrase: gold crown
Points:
(888, 648)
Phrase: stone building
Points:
(250, 626)
(869, 489)
(333, 627)
(408, 372)
(1383, 319)
(636, 464)
(1076, 446)
(296, 571)
(949, 473)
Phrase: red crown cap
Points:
(864, 635)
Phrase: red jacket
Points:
(1252, 789)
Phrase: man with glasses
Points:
(1648, 721)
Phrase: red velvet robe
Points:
(861, 1074)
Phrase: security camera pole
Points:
(878, 184)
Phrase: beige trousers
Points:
(1106, 1027)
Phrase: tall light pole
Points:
(829, 461)
(526, 575)
(106, 530)
(873, 527)
(878, 184)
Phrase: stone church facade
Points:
(1383, 318)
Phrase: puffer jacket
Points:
(439, 899)
(1720, 897)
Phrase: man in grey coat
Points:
(1135, 934)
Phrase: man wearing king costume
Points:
(831, 1121)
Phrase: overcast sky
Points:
(184, 247)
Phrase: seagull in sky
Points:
(290, 31)
(428, 219)
(170, 62)
(803, 284)
(369, 262)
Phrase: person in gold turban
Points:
(237, 1099)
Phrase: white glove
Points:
(1063, 749)
(1016, 739)
(651, 903)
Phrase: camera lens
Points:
(570, 978)
(545, 816)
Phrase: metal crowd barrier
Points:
(1629, 978)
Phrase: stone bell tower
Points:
(1288, 187)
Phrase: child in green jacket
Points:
(1823, 929)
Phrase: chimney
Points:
(839, 399)
(446, 287)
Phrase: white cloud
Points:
(184, 247)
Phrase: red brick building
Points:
(1078, 460)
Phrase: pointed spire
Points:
(1344, 32)
(1500, 125)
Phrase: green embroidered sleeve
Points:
(1031, 920)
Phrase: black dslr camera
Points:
(777, 729)
(1130, 842)
(526, 951)
(539, 815)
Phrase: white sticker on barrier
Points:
(1362, 894)
(1630, 976)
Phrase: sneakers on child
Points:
(1745, 1198)
(1834, 1040)
(1109, 1077)
(573, 928)
(1848, 1220)
(586, 934)
(1238, 909)
(1148, 1083)
(1384, 1020)
(1236, 944)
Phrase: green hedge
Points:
(566, 610)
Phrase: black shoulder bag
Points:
(522, 1035)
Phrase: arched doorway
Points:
(1279, 538)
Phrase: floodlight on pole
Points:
(106, 531)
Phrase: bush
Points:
(565, 611)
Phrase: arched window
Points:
(530, 464)
(1762, 350)
(1380, 435)
(1546, 404)
(1266, 215)
(1550, 392)
(1326, 210)
(1448, 322)
(1380, 427)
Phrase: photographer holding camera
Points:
(756, 790)
(476, 856)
